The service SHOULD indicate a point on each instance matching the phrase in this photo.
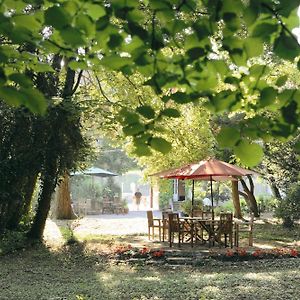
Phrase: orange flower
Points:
(229, 253)
(294, 252)
(144, 250)
(257, 253)
(241, 252)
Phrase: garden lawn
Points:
(74, 273)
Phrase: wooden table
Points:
(197, 225)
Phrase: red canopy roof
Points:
(211, 169)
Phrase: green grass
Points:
(79, 271)
(73, 274)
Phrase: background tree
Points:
(184, 51)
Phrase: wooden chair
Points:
(153, 223)
(226, 228)
(175, 227)
(165, 224)
(244, 226)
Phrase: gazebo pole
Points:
(193, 188)
(212, 199)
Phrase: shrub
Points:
(267, 203)
(289, 208)
(11, 241)
(186, 206)
(165, 194)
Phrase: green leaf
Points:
(34, 100)
(286, 47)
(11, 95)
(115, 40)
(142, 150)
(133, 129)
(41, 67)
(115, 62)
(228, 137)
(146, 111)
(95, 11)
(258, 70)
(289, 113)
(72, 36)
(250, 154)
(297, 147)
(180, 97)
(251, 13)
(160, 145)
(286, 7)
(253, 47)
(57, 17)
(21, 79)
(264, 30)
(86, 25)
(223, 101)
(281, 80)
(128, 117)
(195, 53)
(170, 112)
(267, 96)
(232, 21)
(75, 65)
(138, 31)
(28, 21)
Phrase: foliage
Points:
(111, 189)
(187, 206)
(267, 203)
(280, 165)
(191, 139)
(11, 241)
(165, 193)
(114, 159)
(85, 187)
(184, 50)
(228, 207)
(289, 208)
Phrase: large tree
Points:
(212, 51)
(189, 46)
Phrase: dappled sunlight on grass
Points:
(262, 276)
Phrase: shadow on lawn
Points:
(73, 272)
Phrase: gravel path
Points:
(134, 222)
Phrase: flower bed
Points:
(242, 254)
(127, 251)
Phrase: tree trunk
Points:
(39, 222)
(24, 206)
(249, 195)
(64, 209)
(274, 188)
(236, 200)
(29, 193)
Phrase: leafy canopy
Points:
(184, 49)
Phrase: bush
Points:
(186, 206)
(11, 241)
(165, 194)
(267, 203)
(228, 207)
(289, 208)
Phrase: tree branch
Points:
(77, 82)
(277, 16)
